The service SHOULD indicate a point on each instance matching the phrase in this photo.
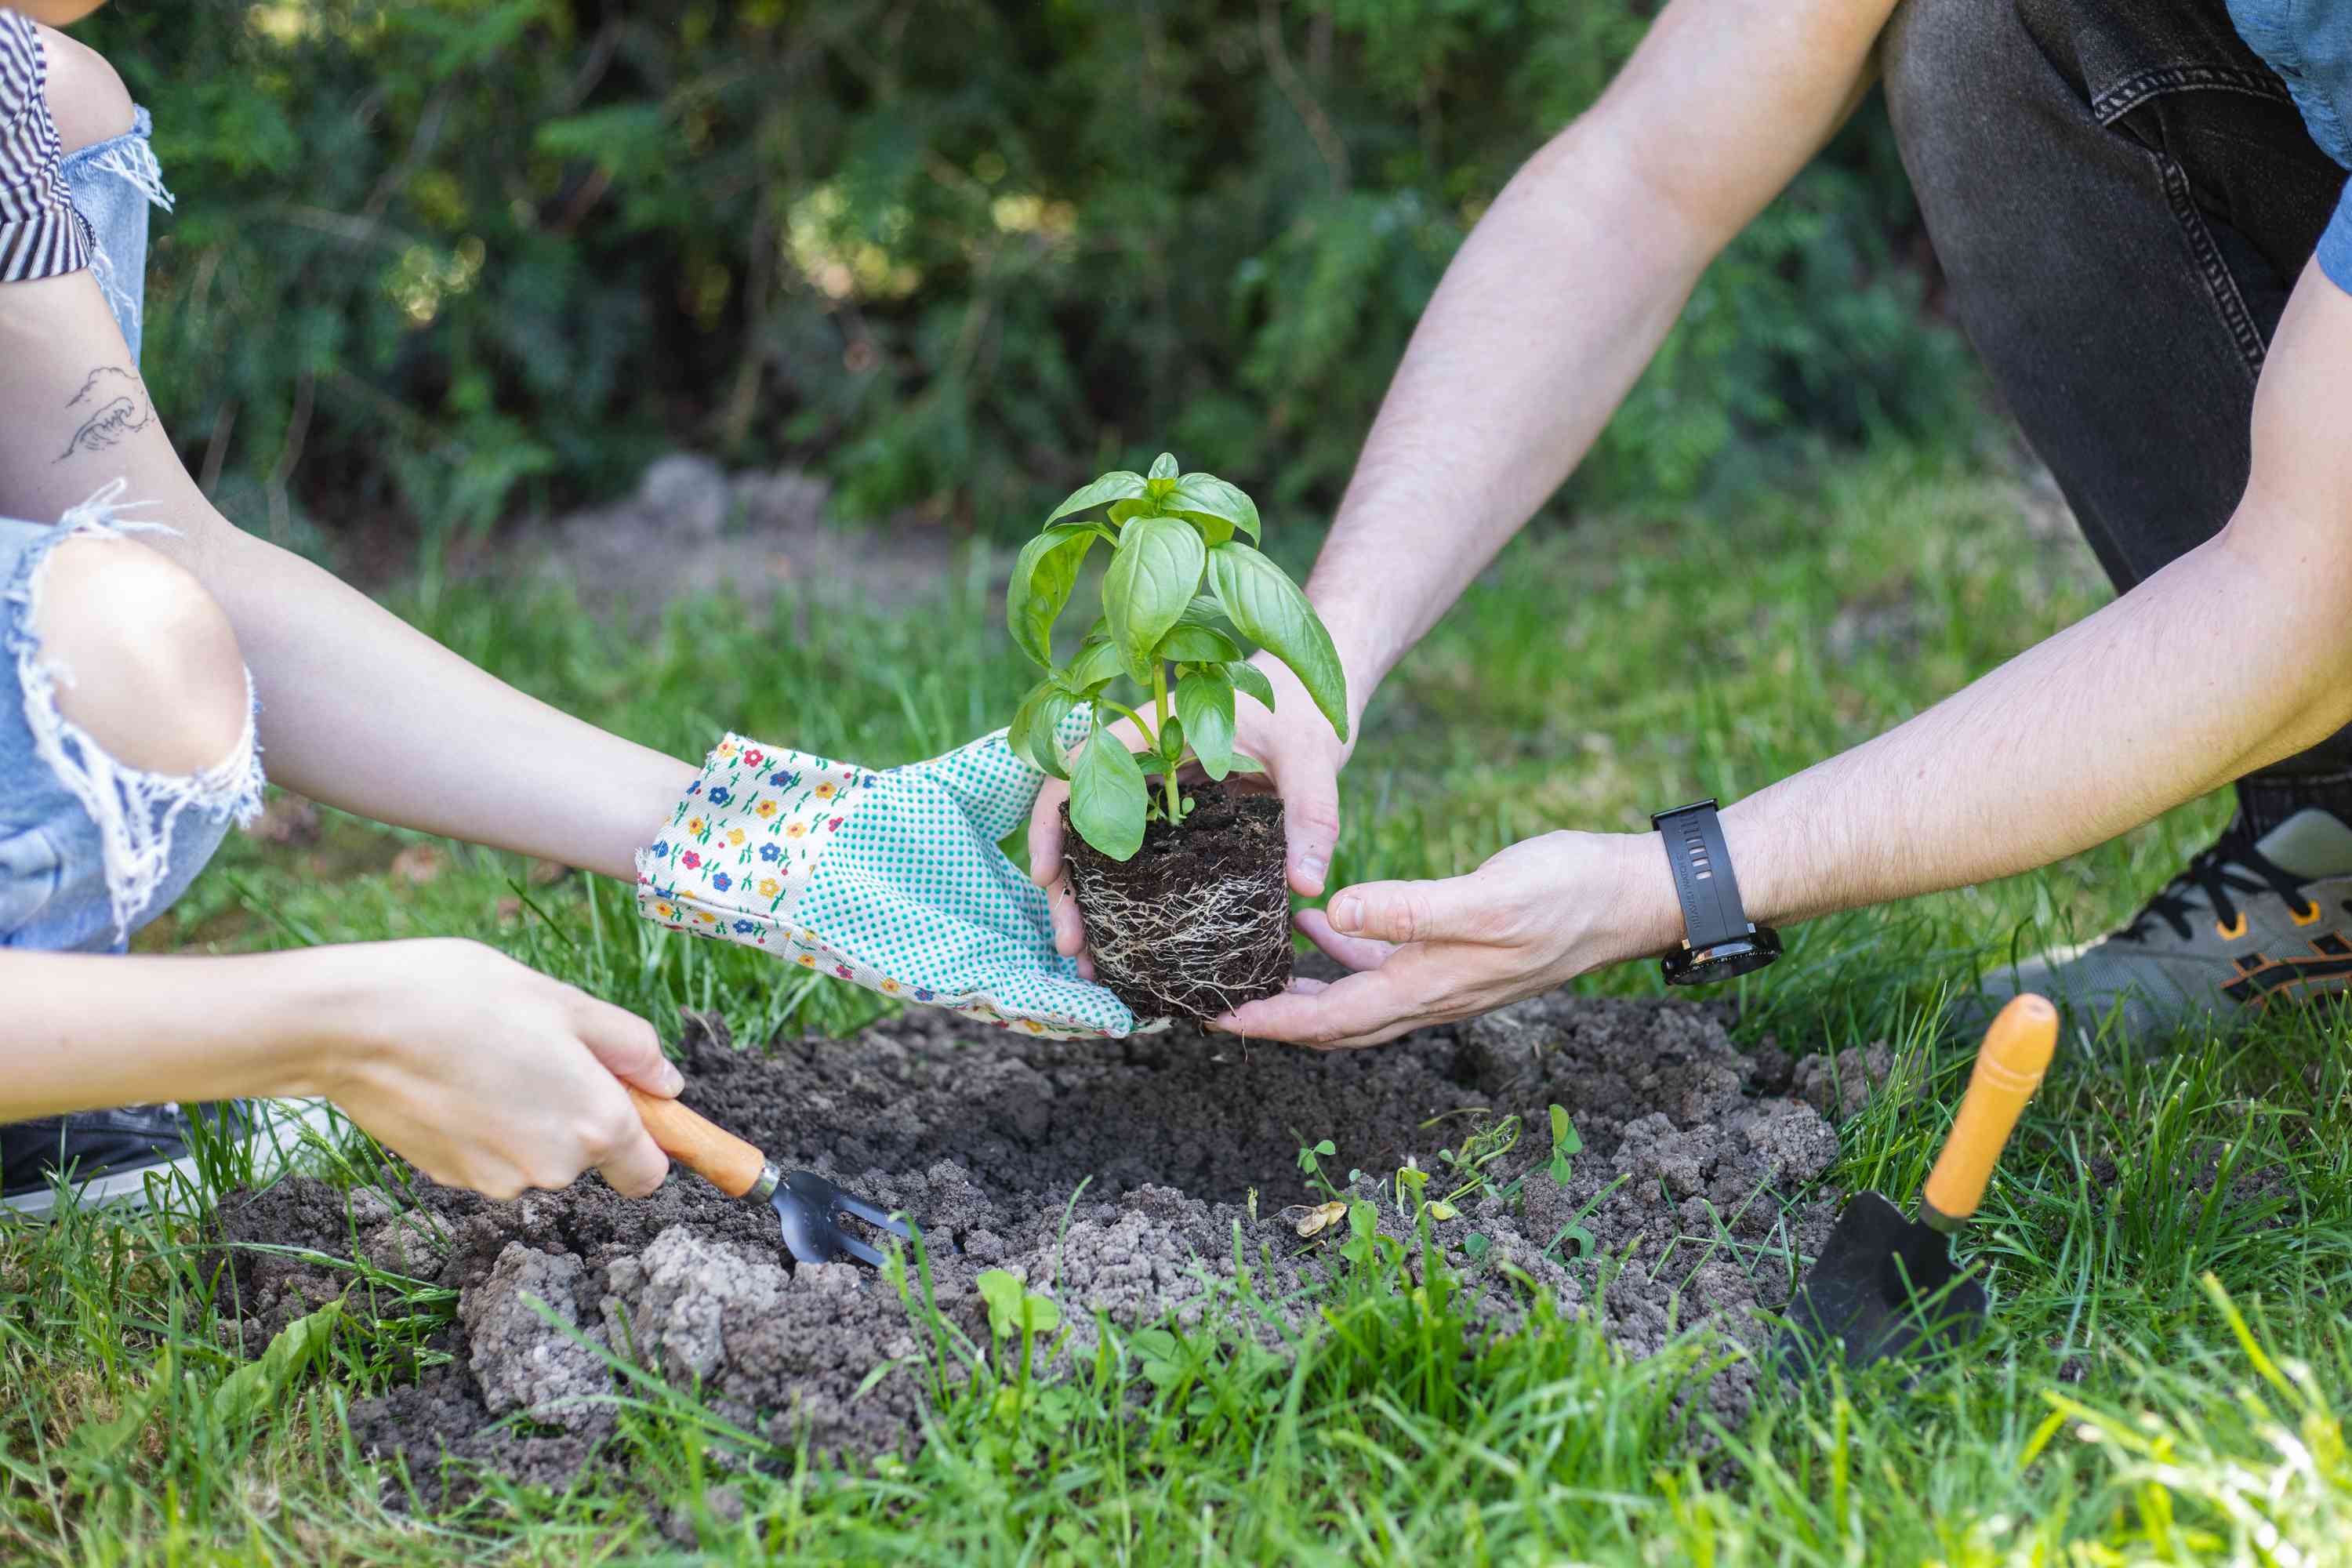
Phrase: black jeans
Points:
(2122, 195)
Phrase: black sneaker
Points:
(2252, 921)
(106, 1156)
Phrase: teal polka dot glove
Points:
(891, 880)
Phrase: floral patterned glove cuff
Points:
(892, 880)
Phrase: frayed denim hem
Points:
(133, 809)
(129, 158)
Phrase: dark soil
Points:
(1117, 1177)
(1198, 920)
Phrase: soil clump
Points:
(1197, 922)
(1117, 1177)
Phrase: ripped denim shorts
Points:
(90, 850)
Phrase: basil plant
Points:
(1182, 593)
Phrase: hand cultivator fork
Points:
(809, 1206)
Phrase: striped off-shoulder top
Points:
(40, 234)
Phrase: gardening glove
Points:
(891, 880)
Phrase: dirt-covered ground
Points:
(1695, 1153)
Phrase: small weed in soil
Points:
(1123, 1182)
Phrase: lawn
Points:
(2166, 1373)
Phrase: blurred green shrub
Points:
(436, 261)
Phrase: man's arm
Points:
(1554, 305)
(2237, 654)
(359, 708)
(1563, 294)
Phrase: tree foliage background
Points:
(438, 260)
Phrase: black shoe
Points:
(108, 1156)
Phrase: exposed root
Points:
(1198, 954)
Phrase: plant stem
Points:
(1140, 721)
(1160, 707)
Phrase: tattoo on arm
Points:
(112, 406)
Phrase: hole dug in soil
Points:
(983, 1136)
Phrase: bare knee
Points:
(145, 662)
(87, 98)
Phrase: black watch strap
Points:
(1712, 911)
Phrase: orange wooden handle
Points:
(2010, 1064)
(699, 1143)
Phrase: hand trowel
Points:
(1887, 1286)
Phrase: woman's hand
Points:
(485, 1074)
(892, 880)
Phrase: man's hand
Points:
(1302, 756)
(485, 1074)
(1535, 916)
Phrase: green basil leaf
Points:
(1043, 575)
(1098, 660)
(1214, 532)
(1203, 611)
(1111, 486)
(1016, 734)
(1195, 644)
(1205, 702)
(1151, 579)
(1170, 756)
(1162, 479)
(1121, 511)
(1250, 679)
(1034, 723)
(1245, 764)
(1270, 611)
(1210, 501)
(1108, 796)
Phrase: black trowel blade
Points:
(1884, 1286)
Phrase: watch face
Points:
(1724, 960)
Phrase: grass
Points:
(2166, 1378)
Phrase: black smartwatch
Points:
(1718, 939)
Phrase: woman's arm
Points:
(392, 1032)
(359, 708)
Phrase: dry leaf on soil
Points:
(1307, 1219)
